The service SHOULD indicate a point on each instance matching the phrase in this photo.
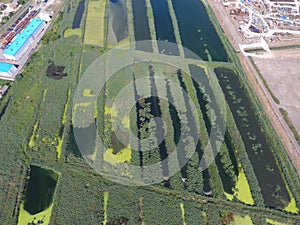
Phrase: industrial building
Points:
(17, 27)
(7, 71)
(22, 41)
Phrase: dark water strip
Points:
(196, 31)
(272, 185)
(163, 27)
(141, 24)
(78, 15)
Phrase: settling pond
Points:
(163, 27)
(141, 24)
(272, 185)
(196, 31)
(78, 15)
(198, 34)
(40, 189)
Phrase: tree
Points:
(21, 2)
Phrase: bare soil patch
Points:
(283, 76)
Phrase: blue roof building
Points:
(23, 40)
(7, 71)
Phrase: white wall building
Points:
(7, 71)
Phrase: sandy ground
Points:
(283, 76)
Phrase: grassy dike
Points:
(282, 158)
(175, 27)
(207, 203)
(130, 21)
(290, 124)
(151, 25)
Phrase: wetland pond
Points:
(78, 15)
(163, 27)
(40, 189)
(141, 24)
(197, 32)
(271, 182)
